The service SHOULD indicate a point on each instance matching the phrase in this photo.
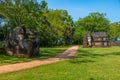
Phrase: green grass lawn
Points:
(44, 53)
(88, 64)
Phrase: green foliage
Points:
(114, 30)
(79, 34)
(62, 25)
(95, 22)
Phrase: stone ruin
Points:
(21, 42)
(97, 39)
(87, 40)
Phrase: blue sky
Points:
(81, 8)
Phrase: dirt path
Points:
(69, 53)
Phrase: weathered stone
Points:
(98, 39)
(20, 43)
(87, 40)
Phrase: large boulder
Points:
(21, 42)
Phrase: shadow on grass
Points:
(78, 61)
(86, 56)
(84, 53)
(92, 79)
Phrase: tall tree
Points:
(95, 22)
(62, 26)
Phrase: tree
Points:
(27, 12)
(69, 29)
(114, 30)
(95, 22)
(62, 26)
(79, 33)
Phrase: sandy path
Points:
(20, 66)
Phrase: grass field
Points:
(44, 53)
(88, 64)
